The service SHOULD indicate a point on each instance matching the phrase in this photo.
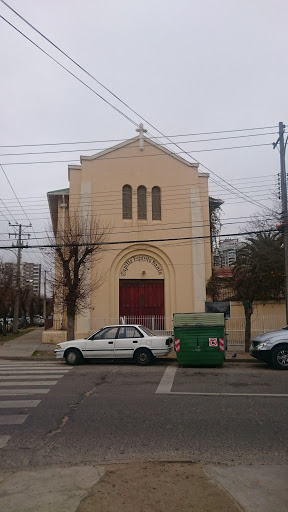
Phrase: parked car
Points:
(116, 342)
(9, 324)
(38, 321)
(20, 323)
(272, 348)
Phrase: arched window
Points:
(156, 203)
(127, 202)
(142, 202)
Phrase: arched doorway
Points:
(148, 294)
(142, 301)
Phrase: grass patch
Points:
(43, 354)
(11, 336)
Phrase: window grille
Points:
(127, 202)
(156, 203)
(142, 202)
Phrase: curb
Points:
(166, 359)
(26, 358)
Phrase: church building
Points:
(157, 205)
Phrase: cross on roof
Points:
(141, 130)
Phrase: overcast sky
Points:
(186, 67)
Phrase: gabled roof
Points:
(127, 142)
(53, 205)
(61, 192)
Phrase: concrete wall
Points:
(266, 317)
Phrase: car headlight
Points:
(262, 345)
(58, 346)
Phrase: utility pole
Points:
(44, 303)
(282, 148)
(19, 246)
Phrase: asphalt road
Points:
(104, 413)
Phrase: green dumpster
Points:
(199, 338)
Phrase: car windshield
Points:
(148, 331)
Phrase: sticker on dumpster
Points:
(177, 345)
(221, 344)
(213, 342)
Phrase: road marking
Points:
(35, 365)
(269, 395)
(4, 440)
(21, 372)
(166, 382)
(12, 419)
(29, 383)
(13, 377)
(18, 404)
(23, 391)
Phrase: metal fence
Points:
(157, 322)
(235, 327)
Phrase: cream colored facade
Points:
(267, 316)
(175, 248)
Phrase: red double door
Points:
(140, 298)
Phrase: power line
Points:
(143, 230)
(17, 200)
(107, 89)
(131, 147)
(119, 242)
(110, 193)
(110, 207)
(14, 192)
(138, 156)
(95, 199)
(151, 137)
(159, 226)
(68, 71)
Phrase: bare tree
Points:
(77, 254)
(25, 298)
(7, 291)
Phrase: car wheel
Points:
(280, 357)
(143, 357)
(73, 357)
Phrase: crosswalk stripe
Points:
(4, 440)
(18, 404)
(21, 377)
(12, 419)
(28, 383)
(19, 380)
(20, 372)
(36, 367)
(23, 391)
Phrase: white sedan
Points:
(116, 342)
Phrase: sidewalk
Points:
(24, 346)
(164, 486)
(31, 342)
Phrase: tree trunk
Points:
(24, 317)
(70, 323)
(248, 313)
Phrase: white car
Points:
(116, 342)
